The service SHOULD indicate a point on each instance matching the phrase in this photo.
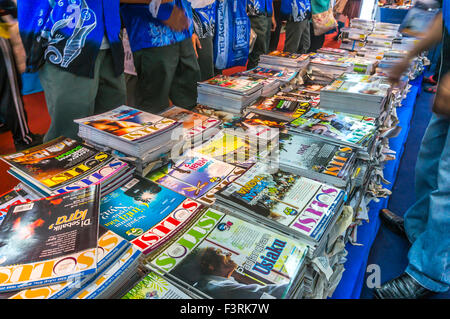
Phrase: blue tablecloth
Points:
(355, 267)
(390, 15)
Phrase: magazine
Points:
(225, 257)
(196, 176)
(46, 241)
(347, 128)
(230, 84)
(297, 203)
(55, 164)
(316, 158)
(282, 107)
(12, 197)
(154, 286)
(259, 126)
(145, 213)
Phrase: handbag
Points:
(322, 16)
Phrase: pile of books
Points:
(356, 93)
(228, 93)
(64, 164)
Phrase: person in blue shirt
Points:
(164, 56)
(204, 18)
(76, 48)
(297, 13)
(262, 21)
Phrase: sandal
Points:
(430, 79)
(431, 89)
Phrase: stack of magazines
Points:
(356, 93)
(63, 165)
(227, 257)
(228, 93)
(284, 59)
(282, 106)
(128, 130)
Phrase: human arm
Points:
(441, 105)
(274, 21)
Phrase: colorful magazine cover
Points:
(280, 106)
(348, 128)
(283, 75)
(229, 83)
(360, 84)
(57, 163)
(49, 240)
(12, 197)
(128, 123)
(225, 257)
(260, 126)
(145, 213)
(302, 204)
(154, 286)
(196, 176)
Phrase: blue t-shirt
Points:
(68, 33)
(204, 17)
(145, 31)
(259, 7)
(297, 10)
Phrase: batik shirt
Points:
(297, 10)
(145, 31)
(204, 16)
(68, 33)
(259, 7)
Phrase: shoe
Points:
(35, 139)
(430, 79)
(431, 89)
(402, 287)
(393, 222)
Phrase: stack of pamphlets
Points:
(348, 129)
(109, 248)
(363, 24)
(64, 164)
(284, 107)
(146, 214)
(196, 176)
(228, 93)
(226, 257)
(283, 59)
(356, 94)
(318, 159)
(52, 236)
(330, 63)
(334, 51)
(282, 74)
(128, 130)
(302, 207)
(226, 118)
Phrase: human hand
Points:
(396, 72)
(274, 24)
(178, 21)
(196, 44)
(441, 104)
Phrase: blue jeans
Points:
(427, 222)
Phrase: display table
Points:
(355, 268)
(390, 15)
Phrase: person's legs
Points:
(111, 89)
(155, 68)
(275, 35)
(206, 58)
(259, 25)
(68, 97)
(305, 39)
(293, 36)
(183, 91)
(429, 255)
(426, 176)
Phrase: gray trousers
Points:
(262, 26)
(71, 97)
(298, 38)
(206, 58)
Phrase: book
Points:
(50, 240)
(224, 257)
(196, 176)
(230, 84)
(195, 125)
(154, 286)
(281, 74)
(315, 158)
(284, 59)
(295, 204)
(258, 126)
(55, 164)
(227, 118)
(350, 129)
(145, 213)
(282, 107)
(13, 197)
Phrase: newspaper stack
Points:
(284, 59)
(356, 93)
(230, 94)
(64, 164)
